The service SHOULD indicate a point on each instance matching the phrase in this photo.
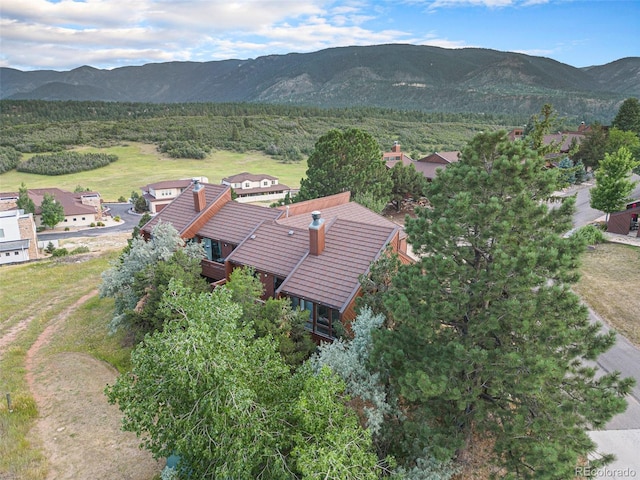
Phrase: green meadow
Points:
(140, 164)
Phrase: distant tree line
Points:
(63, 163)
(188, 130)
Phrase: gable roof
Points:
(71, 202)
(441, 157)
(235, 221)
(272, 248)
(351, 211)
(321, 204)
(332, 278)
(241, 177)
(167, 184)
(181, 212)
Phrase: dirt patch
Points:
(77, 428)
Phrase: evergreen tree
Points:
(593, 147)
(407, 182)
(348, 160)
(613, 183)
(628, 116)
(24, 201)
(487, 340)
(52, 211)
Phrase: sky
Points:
(106, 34)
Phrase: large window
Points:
(323, 321)
(213, 250)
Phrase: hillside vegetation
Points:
(404, 77)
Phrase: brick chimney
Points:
(316, 234)
(199, 197)
(396, 147)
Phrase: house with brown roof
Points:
(160, 194)
(311, 252)
(256, 188)
(81, 209)
(430, 164)
(396, 155)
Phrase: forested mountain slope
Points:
(406, 77)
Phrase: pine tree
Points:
(348, 160)
(24, 201)
(628, 116)
(487, 340)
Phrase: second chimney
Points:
(316, 234)
(199, 197)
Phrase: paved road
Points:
(129, 220)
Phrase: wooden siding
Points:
(213, 270)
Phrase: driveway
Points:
(622, 434)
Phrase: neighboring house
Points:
(430, 164)
(426, 165)
(396, 155)
(565, 140)
(311, 252)
(159, 195)
(81, 209)
(625, 221)
(18, 241)
(256, 188)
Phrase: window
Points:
(16, 253)
(212, 249)
(7, 254)
(323, 321)
(274, 182)
(1, 232)
(247, 185)
(265, 183)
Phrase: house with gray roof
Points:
(311, 252)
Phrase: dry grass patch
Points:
(609, 285)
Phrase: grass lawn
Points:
(33, 295)
(609, 284)
(140, 164)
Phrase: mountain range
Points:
(398, 76)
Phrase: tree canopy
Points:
(345, 160)
(628, 116)
(52, 211)
(206, 389)
(24, 201)
(486, 339)
(613, 182)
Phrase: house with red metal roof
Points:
(312, 252)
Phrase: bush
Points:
(591, 234)
(121, 199)
(77, 250)
(92, 224)
(9, 158)
(117, 218)
(100, 224)
(66, 229)
(65, 162)
(50, 248)
(60, 252)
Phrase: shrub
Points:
(121, 199)
(65, 162)
(100, 224)
(66, 229)
(60, 252)
(77, 250)
(117, 218)
(591, 234)
(50, 248)
(92, 224)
